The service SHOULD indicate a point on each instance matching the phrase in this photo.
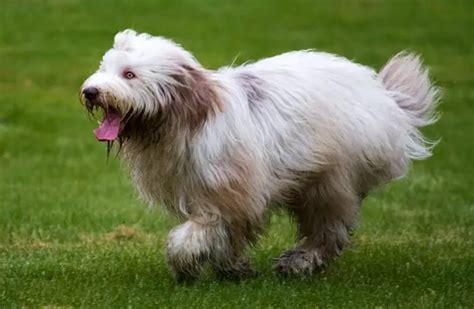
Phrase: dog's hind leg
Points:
(325, 211)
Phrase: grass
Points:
(73, 233)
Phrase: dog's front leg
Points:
(191, 244)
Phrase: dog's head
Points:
(145, 78)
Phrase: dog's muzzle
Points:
(111, 124)
(90, 93)
(90, 98)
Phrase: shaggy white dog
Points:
(305, 130)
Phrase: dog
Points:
(306, 131)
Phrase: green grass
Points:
(73, 233)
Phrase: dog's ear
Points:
(195, 96)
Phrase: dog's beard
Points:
(141, 129)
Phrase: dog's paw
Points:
(186, 268)
(299, 262)
(239, 271)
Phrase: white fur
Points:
(307, 130)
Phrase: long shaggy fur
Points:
(308, 131)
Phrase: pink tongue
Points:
(109, 128)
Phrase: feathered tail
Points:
(409, 84)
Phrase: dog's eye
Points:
(129, 75)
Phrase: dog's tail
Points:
(410, 86)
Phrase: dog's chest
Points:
(160, 174)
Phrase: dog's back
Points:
(326, 111)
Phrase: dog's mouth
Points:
(109, 128)
(112, 120)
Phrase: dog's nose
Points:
(90, 93)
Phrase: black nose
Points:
(90, 93)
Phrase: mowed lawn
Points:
(72, 231)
